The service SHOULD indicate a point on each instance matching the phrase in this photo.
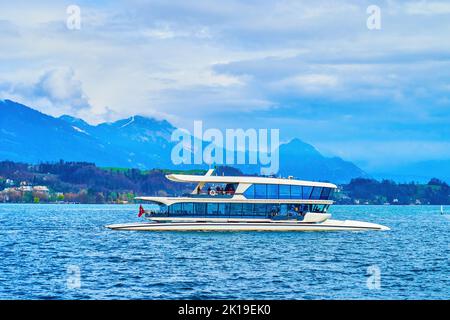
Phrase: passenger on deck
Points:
(229, 189)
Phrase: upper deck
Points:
(249, 189)
(248, 180)
(252, 197)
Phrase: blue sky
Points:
(313, 69)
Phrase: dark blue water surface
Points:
(42, 245)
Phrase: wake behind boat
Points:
(233, 203)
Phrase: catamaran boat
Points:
(232, 203)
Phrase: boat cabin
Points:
(243, 197)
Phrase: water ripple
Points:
(45, 247)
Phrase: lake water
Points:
(64, 252)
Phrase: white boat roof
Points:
(245, 180)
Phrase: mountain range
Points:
(27, 135)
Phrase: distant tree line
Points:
(370, 191)
(84, 182)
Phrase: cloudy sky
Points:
(310, 68)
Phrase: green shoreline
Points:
(85, 183)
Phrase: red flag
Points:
(141, 211)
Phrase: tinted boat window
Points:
(175, 208)
(283, 210)
(212, 208)
(292, 210)
(272, 191)
(307, 192)
(260, 191)
(188, 208)
(273, 210)
(315, 194)
(325, 193)
(305, 208)
(285, 192)
(228, 209)
(250, 192)
(296, 192)
(200, 209)
(159, 208)
(247, 209)
(235, 209)
(260, 209)
(318, 208)
(221, 209)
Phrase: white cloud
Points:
(57, 91)
(310, 82)
(216, 61)
(61, 85)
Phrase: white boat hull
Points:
(329, 225)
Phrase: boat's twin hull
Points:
(329, 225)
